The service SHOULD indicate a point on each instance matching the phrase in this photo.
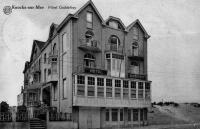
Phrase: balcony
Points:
(53, 56)
(91, 45)
(134, 56)
(91, 70)
(101, 91)
(137, 76)
(113, 48)
(33, 103)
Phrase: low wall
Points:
(62, 125)
(14, 125)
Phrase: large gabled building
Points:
(95, 69)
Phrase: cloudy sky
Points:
(173, 49)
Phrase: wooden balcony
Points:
(91, 45)
(133, 56)
(137, 76)
(113, 48)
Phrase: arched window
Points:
(114, 43)
(135, 49)
(88, 36)
(89, 60)
(54, 49)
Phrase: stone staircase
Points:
(36, 123)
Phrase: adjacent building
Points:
(95, 69)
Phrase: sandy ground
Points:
(184, 116)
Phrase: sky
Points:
(173, 49)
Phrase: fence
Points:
(60, 116)
(5, 117)
(22, 116)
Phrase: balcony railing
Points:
(135, 56)
(114, 48)
(53, 56)
(89, 45)
(91, 70)
(33, 103)
(137, 76)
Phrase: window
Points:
(108, 87)
(89, 60)
(117, 83)
(55, 91)
(135, 114)
(45, 73)
(125, 84)
(114, 114)
(145, 113)
(100, 88)
(108, 64)
(129, 114)
(141, 114)
(80, 79)
(147, 90)
(135, 67)
(133, 89)
(125, 89)
(135, 49)
(140, 90)
(107, 115)
(54, 49)
(121, 114)
(45, 57)
(135, 33)
(64, 42)
(109, 82)
(117, 88)
(64, 88)
(80, 85)
(114, 43)
(100, 82)
(49, 72)
(113, 24)
(91, 83)
(89, 19)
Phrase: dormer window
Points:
(89, 19)
(113, 24)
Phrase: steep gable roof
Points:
(52, 29)
(36, 43)
(139, 23)
(93, 6)
(116, 19)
